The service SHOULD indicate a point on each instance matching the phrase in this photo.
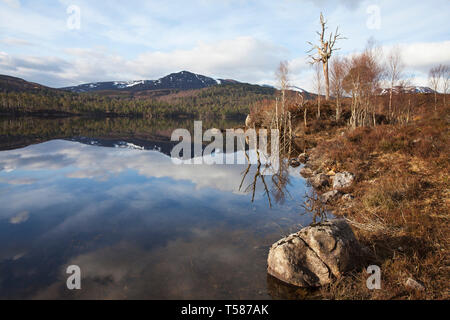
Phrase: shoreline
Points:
(398, 204)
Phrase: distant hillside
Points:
(182, 94)
(229, 99)
(13, 84)
(183, 80)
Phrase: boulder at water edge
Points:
(315, 255)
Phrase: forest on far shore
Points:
(223, 101)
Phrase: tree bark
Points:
(338, 108)
(318, 106)
(305, 112)
(435, 100)
(390, 104)
(327, 81)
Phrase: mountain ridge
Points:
(183, 80)
(180, 81)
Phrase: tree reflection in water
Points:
(280, 174)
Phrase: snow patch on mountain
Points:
(294, 88)
(409, 89)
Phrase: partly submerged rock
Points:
(294, 163)
(314, 255)
(292, 261)
(335, 244)
(329, 196)
(343, 180)
(319, 180)
(306, 172)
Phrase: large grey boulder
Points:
(343, 180)
(315, 255)
(292, 261)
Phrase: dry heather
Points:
(400, 209)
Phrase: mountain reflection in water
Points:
(139, 226)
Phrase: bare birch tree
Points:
(284, 119)
(446, 82)
(362, 83)
(435, 77)
(394, 70)
(337, 73)
(324, 51)
(318, 85)
(282, 75)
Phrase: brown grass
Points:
(401, 206)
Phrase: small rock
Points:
(331, 173)
(319, 180)
(330, 195)
(303, 158)
(294, 163)
(347, 197)
(306, 172)
(413, 284)
(343, 180)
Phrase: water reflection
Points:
(138, 225)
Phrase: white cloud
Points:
(90, 163)
(15, 42)
(423, 56)
(243, 58)
(20, 218)
(12, 3)
(243, 40)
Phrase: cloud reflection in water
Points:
(137, 225)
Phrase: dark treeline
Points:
(18, 132)
(227, 101)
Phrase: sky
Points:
(68, 42)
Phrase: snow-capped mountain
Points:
(410, 89)
(183, 80)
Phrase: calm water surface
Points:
(139, 226)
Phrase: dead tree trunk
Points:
(324, 51)
(327, 80)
